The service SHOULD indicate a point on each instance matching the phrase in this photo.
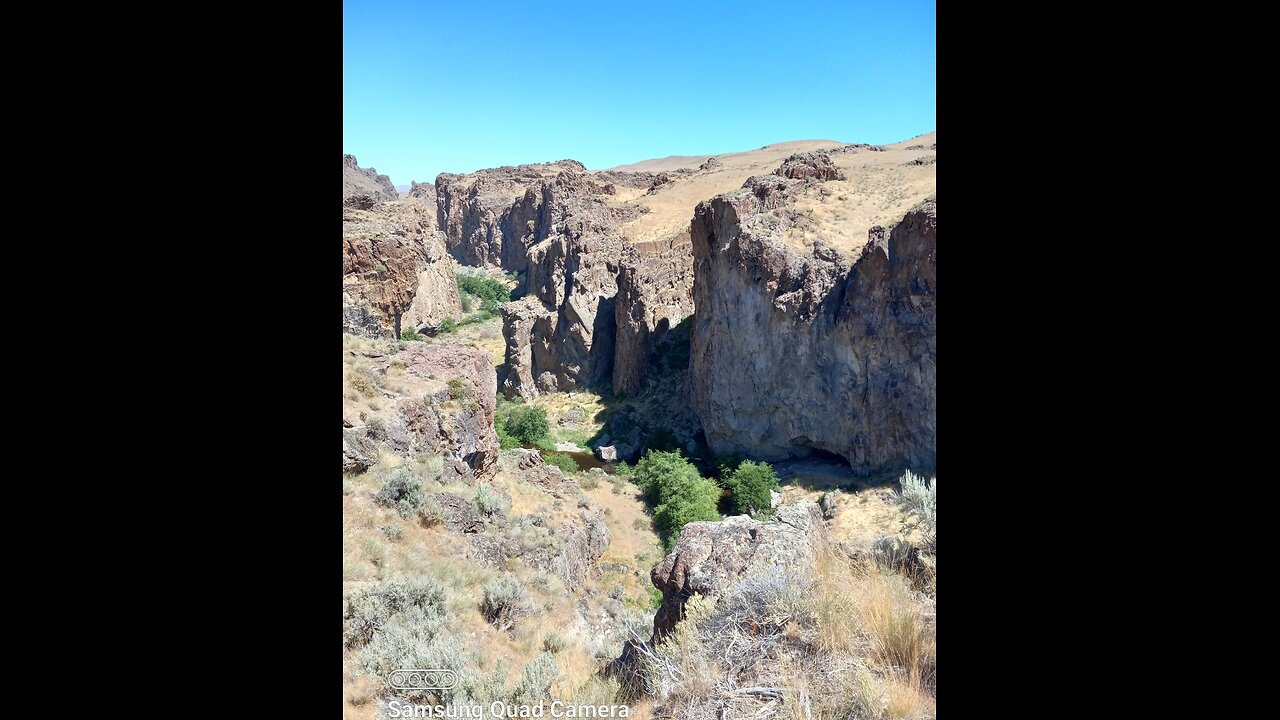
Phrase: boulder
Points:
(715, 558)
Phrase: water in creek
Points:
(586, 460)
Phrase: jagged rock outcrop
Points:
(460, 429)
(364, 187)
(527, 466)
(395, 270)
(358, 452)
(553, 225)
(486, 216)
(460, 514)
(654, 295)
(816, 165)
(801, 350)
(717, 558)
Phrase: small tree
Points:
(527, 424)
(679, 493)
(750, 483)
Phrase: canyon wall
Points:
(796, 348)
(556, 226)
(394, 269)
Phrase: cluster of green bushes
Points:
(488, 291)
(520, 425)
(678, 492)
(681, 495)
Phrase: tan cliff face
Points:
(394, 264)
(807, 337)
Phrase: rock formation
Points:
(556, 225)
(396, 273)
(717, 558)
(363, 188)
(435, 422)
(796, 350)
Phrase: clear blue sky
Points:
(430, 87)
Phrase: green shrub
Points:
(527, 425)
(501, 599)
(655, 597)
(919, 499)
(488, 291)
(750, 483)
(379, 268)
(448, 325)
(368, 609)
(458, 389)
(554, 642)
(680, 495)
(431, 513)
(566, 464)
(535, 682)
(402, 491)
(409, 334)
(588, 481)
(490, 501)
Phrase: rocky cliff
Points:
(802, 343)
(396, 273)
(556, 225)
(364, 187)
(429, 415)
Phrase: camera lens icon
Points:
(422, 679)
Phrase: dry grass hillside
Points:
(880, 185)
(581, 626)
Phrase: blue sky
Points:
(430, 87)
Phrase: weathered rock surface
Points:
(654, 295)
(358, 452)
(715, 558)
(802, 350)
(460, 430)
(528, 466)
(395, 270)
(553, 225)
(816, 165)
(364, 187)
(460, 514)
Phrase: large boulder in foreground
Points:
(715, 558)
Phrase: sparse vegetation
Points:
(402, 491)
(490, 501)
(448, 325)
(459, 389)
(431, 513)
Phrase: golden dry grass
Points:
(877, 190)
